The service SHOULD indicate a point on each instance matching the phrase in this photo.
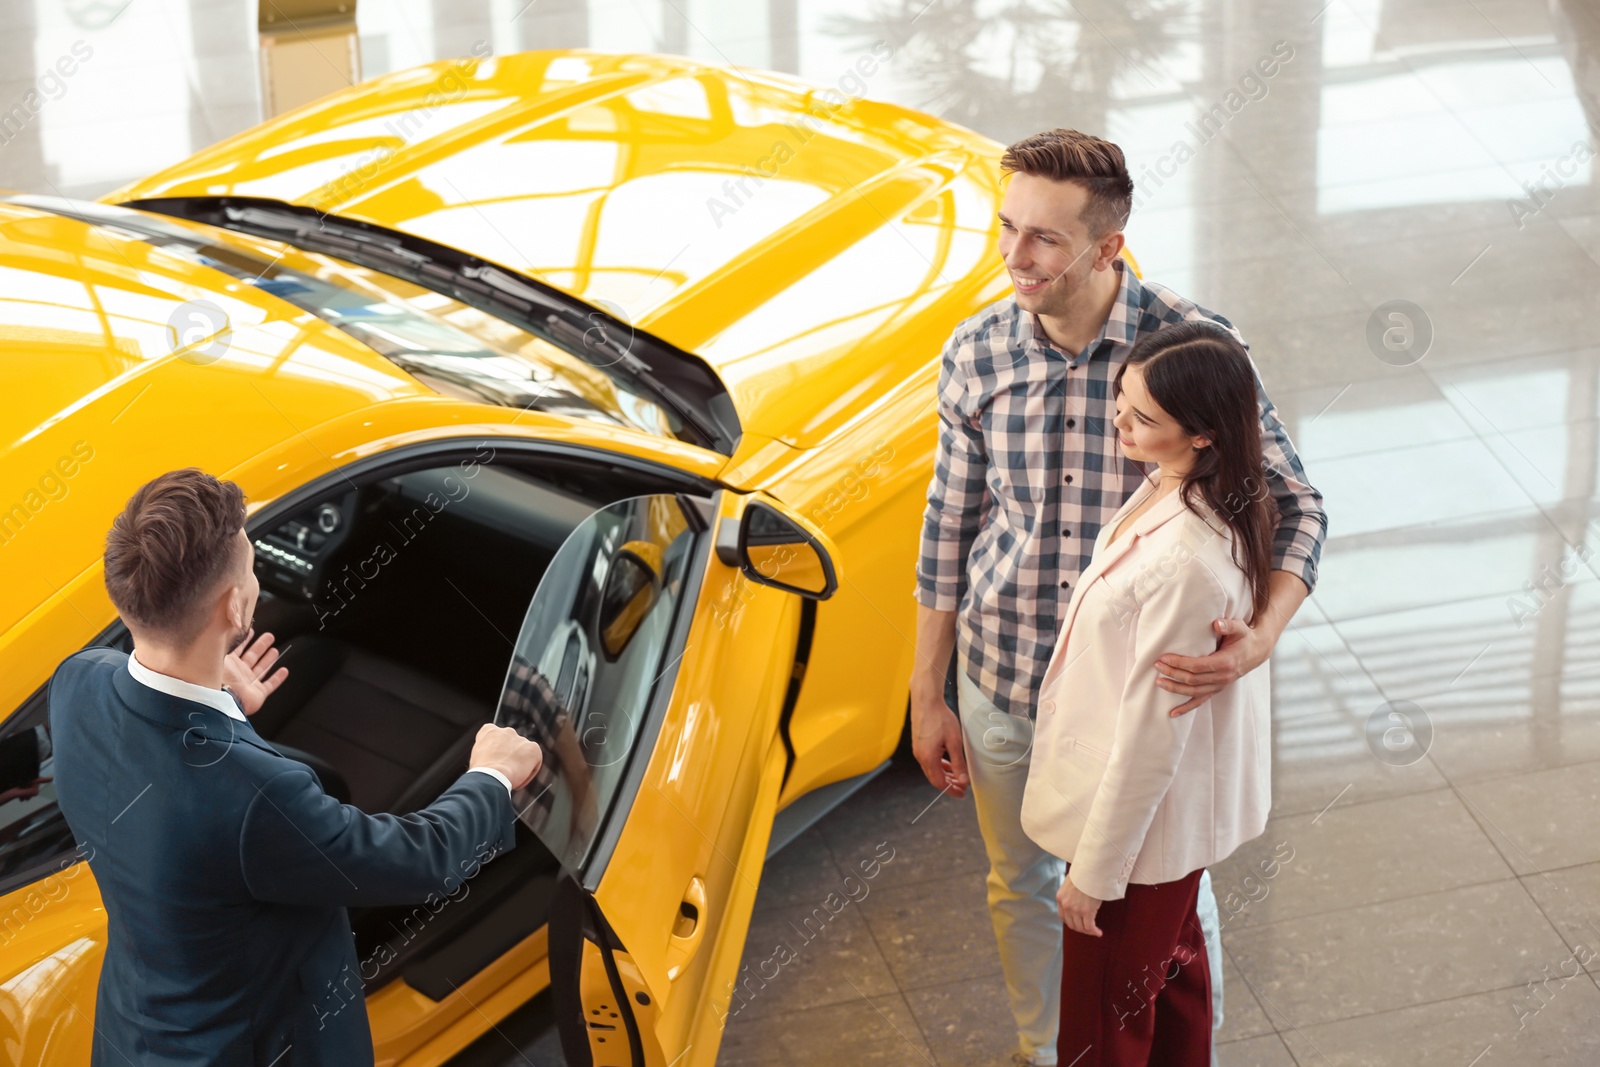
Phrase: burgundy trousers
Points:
(1141, 992)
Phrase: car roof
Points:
(784, 232)
(100, 394)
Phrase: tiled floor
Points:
(1384, 160)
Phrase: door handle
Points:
(688, 928)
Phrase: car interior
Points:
(397, 604)
(396, 600)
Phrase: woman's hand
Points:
(1077, 908)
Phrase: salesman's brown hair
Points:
(172, 544)
(1070, 156)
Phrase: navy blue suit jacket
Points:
(226, 872)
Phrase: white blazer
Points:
(1116, 786)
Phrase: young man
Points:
(1027, 471)
(224, 867)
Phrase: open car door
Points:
(652, 666)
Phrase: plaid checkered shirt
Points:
(1028, 470)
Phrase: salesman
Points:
(224, 867)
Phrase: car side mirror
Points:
(774, 550)
(632, 585)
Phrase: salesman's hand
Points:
(247, 670)
(1077, 908)
(508, 752)
(937, 744)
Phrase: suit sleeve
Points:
(1176, 618)
(300, 846)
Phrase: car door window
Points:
(594, 648)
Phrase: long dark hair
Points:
(1203, 378)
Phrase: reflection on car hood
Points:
(815, 250)
(111, 374)
(586, 367)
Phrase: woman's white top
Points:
(1116, 786)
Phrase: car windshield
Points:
(454, 347)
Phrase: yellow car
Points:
(592, 393)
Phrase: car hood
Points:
(111, 376)
(814, 249)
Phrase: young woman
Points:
(1136, 800)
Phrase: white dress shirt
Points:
(201, 694)
(224, 701)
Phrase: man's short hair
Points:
(1096, 165)
(169, 549)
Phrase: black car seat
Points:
(397, 736)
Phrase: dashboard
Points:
(292, 559)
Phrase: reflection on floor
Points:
(1436, 152)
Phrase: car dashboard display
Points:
(291, 558)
